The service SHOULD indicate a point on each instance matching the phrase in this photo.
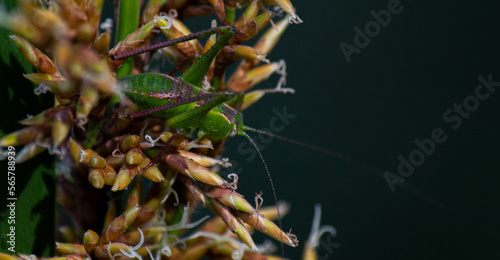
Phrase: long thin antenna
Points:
(272, 187)
(359, 163)
(364, 165)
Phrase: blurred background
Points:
(397, 89)
(392, 87)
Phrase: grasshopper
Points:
(190, 108)
(184, 103)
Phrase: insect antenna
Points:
(272, 187)
(339, 156)
(359, 163)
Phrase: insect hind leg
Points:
(221, 97)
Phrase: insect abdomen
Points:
(149, 90)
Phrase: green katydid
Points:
(165, 96)
(184, 103)
(187, 106)
(190, 108)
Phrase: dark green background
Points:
(395, 91)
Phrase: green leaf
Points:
(128, 20)
(34, 184)
(34, 208)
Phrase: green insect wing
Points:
(187, 107)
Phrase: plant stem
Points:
(128, 20)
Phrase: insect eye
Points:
(233, 132)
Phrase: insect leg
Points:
(164, 148)
(187, 118)
(162, 151)
(224, 94)
(170, 42)
(182, 63)
(195, 74)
